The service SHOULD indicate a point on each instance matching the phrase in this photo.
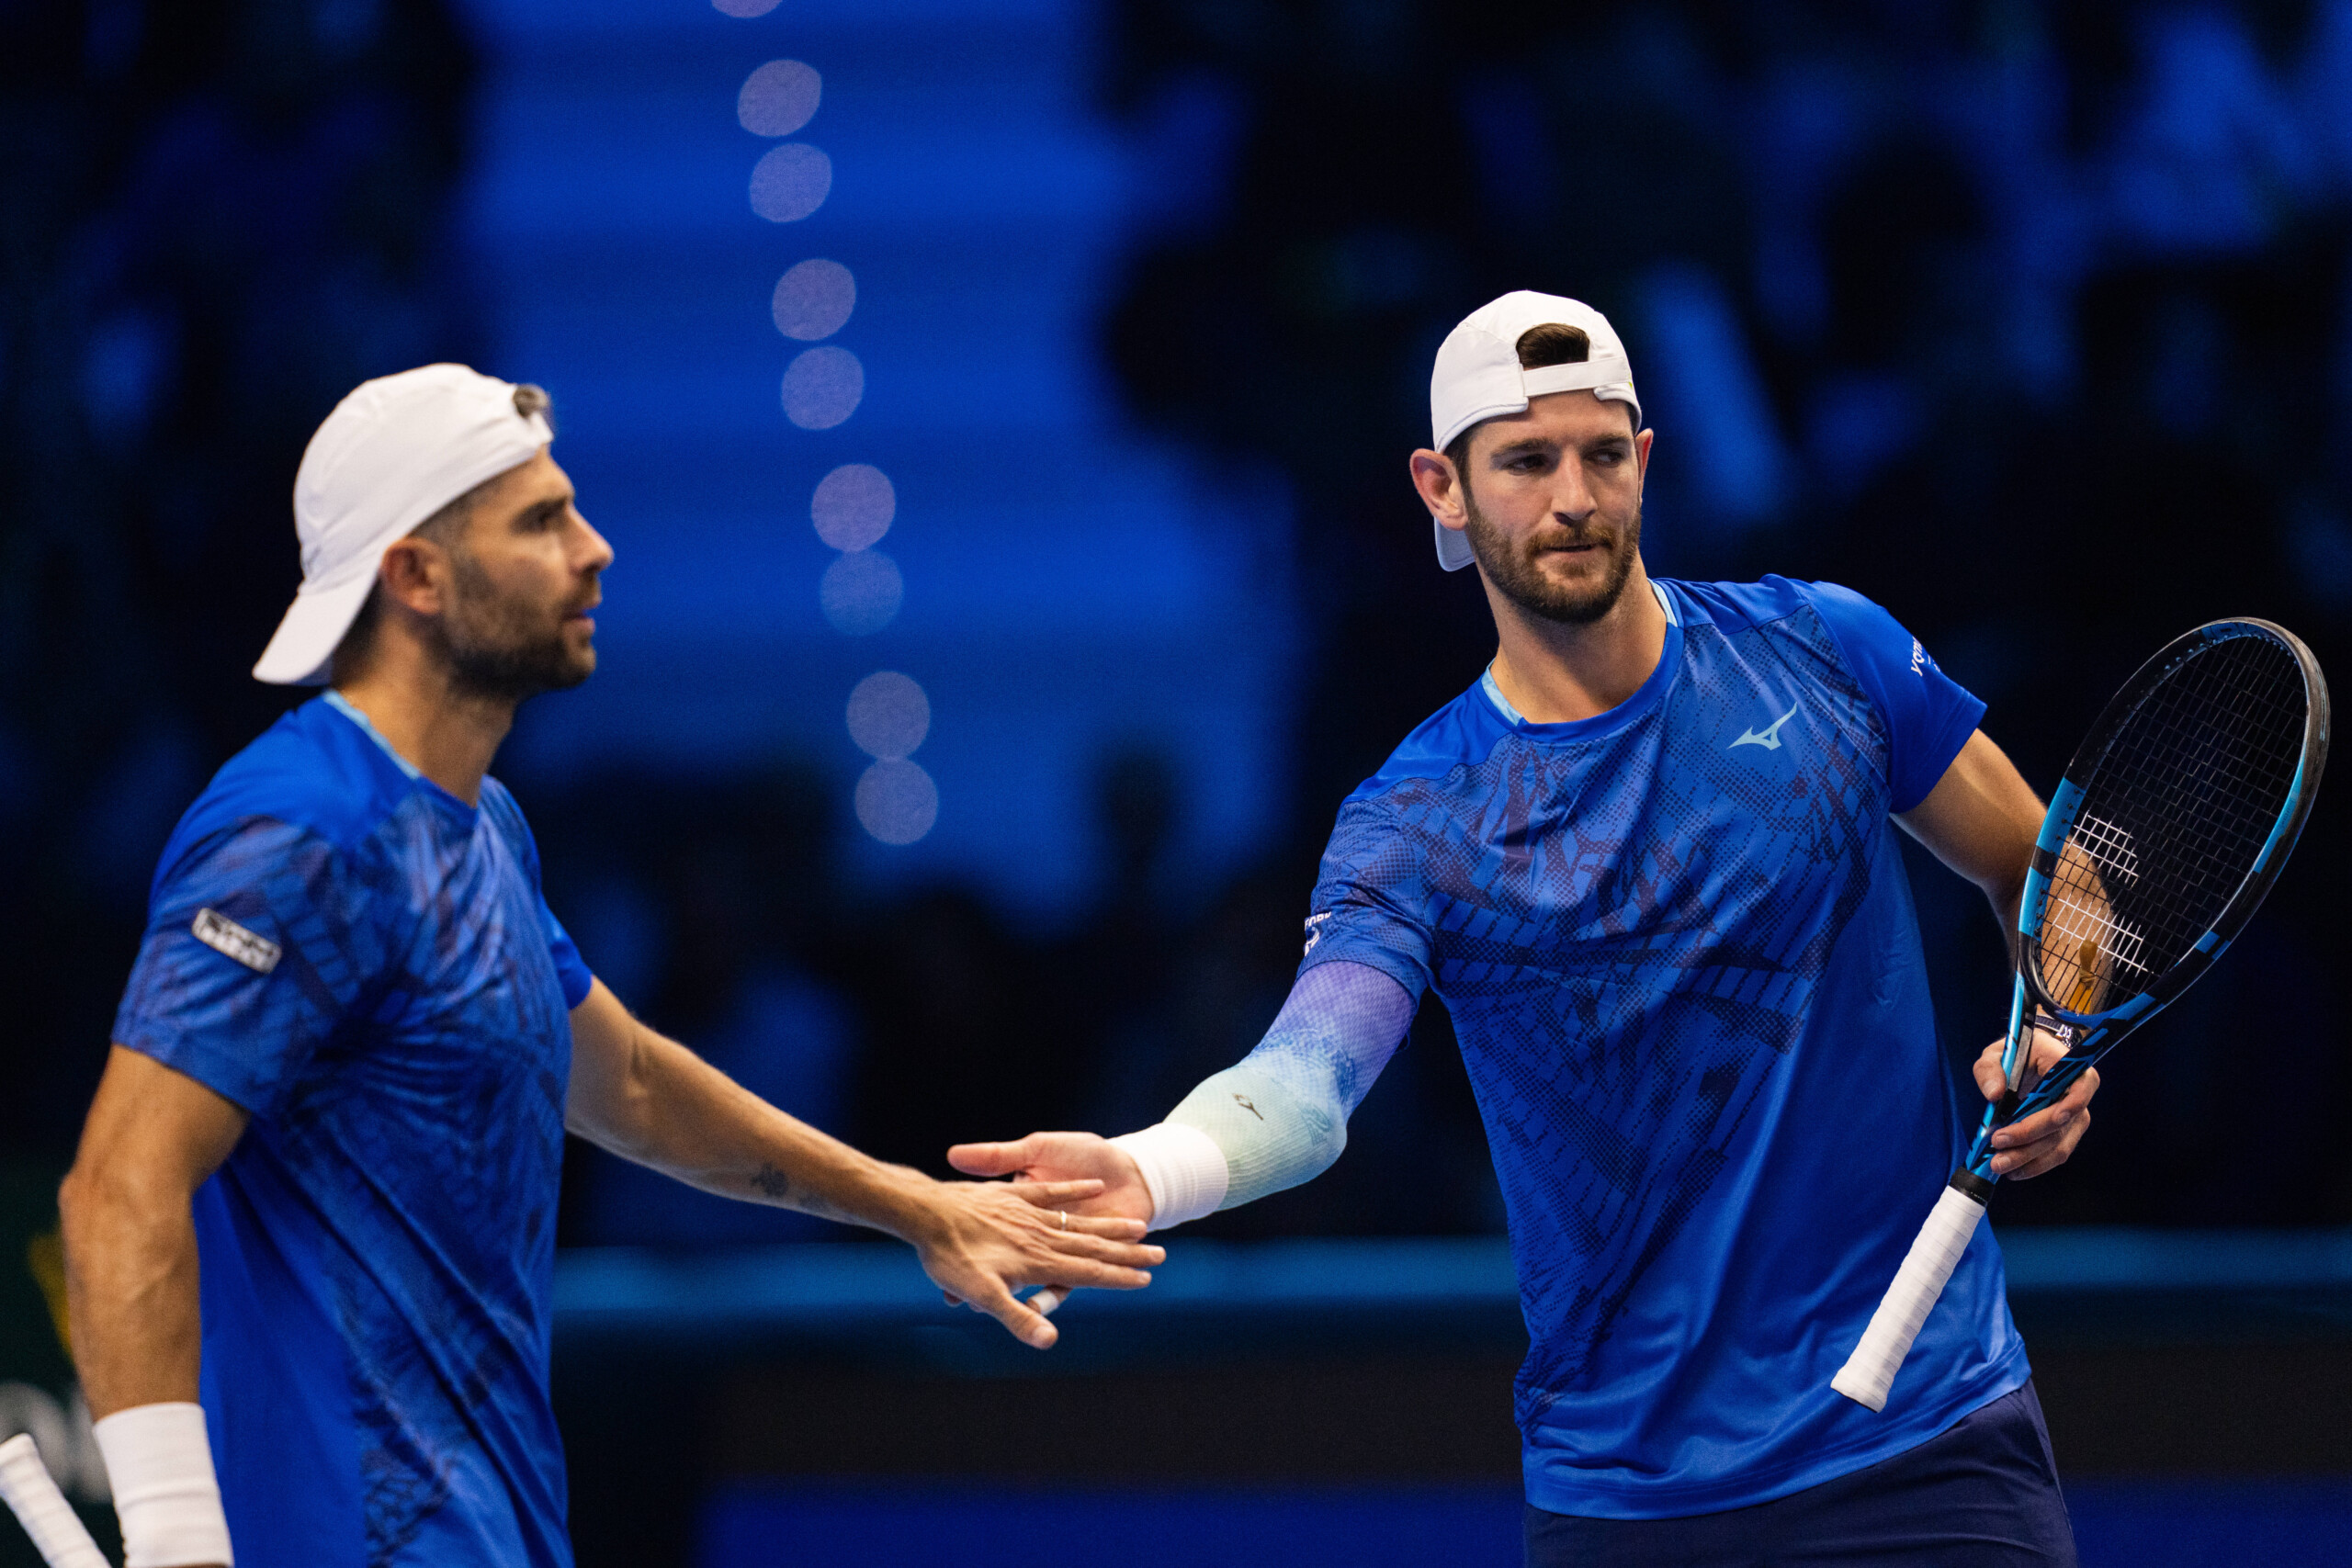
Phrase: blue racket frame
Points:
(2097, 1033)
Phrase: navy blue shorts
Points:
(1983, 1494)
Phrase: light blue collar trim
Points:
(1495, 693)
(336, 701)
(1665, 603)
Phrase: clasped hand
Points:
(2043, 1141)
(983, 1238)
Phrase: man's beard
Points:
(1521, 580)
(501, 649)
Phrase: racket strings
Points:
(2109, 848)
(2173, 815)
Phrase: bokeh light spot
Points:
(790, 182)
(813, 301)
(779, 97)
(897, 802)
(860, 594)
(822, 387)
(854, 506)
(745, 8)
(888, 715)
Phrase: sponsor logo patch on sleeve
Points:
(1314, 935)
(218, 931)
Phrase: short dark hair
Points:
(1548, 343)
(1553, 343)
(445, 527)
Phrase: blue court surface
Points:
(2157, 1523)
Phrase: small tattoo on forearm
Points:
(771, 1182)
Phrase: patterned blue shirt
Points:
(1678, 948)
(364, 962)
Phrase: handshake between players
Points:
(1647, 857)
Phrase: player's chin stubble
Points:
(504, 650)
(1516, 572)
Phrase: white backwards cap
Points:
(1477, 375)
(393, 452)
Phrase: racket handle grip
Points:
(1869, 1372)
(43, 1509)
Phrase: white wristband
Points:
(159, 1462)
(1182, 1168)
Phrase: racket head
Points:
(2173, 821)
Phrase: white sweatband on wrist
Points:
(159, 1462)
(1182, 1168)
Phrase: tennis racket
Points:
(43, 1509)
(2171, 824)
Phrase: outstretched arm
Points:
(648, 1099)
(1274, 1119)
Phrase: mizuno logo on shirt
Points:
(218, 931)
(1769, 737)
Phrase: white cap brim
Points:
(303, 647)
(1453, 551)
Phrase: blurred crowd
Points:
(2032, 321)
(215, 217)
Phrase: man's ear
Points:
(415, 576)
(1440, 485)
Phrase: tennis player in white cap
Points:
(1648, 859)
(354, 1040)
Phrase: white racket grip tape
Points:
(1869, 1372)
(43, 1509)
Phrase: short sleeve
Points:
(1929, 716)
(262, 939)
(569, 967)
(1368, 906)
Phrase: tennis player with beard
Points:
(1648, 860)
(354, 1040)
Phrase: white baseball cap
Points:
(394, 452)
(1477, 375)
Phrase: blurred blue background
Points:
(998, 408)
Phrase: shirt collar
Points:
(1495, 693)
(343, 705)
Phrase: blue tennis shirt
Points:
(1680, 951)
(364, 962)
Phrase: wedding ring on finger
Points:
(1064, 1215)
